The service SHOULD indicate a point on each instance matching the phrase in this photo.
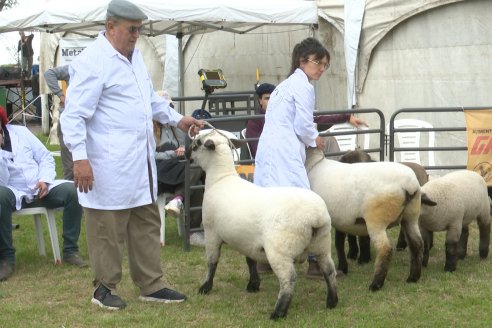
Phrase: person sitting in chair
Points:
(171, 173)
(27, 179)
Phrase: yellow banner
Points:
(246, 172)
(479, 140)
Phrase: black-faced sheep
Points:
(275, 225)
(366, 199)
(461, 198)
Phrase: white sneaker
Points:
(174, 207)
(197, 239)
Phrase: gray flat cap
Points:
(125, 9)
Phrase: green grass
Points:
(43, 295)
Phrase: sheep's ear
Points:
(426, 200)
(238, 143)
(209, 144)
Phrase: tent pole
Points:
(181, 72)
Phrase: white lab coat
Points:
(27, 164)
(108, 120)
(288, 130)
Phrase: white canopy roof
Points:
(165, 17)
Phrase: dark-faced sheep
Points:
(366, 199)
(461, 198)
(278, 225)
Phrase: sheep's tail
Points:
(409, 197)
(426, 200)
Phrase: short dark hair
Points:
(264, 88)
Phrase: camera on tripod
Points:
(212, 79)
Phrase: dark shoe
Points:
(263, 268)
(75, 259)
(313, 270)
(164, 295)
(104, 298)
(6, 270)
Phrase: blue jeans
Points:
(63, 195)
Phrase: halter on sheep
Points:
(278, 225)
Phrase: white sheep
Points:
(461, 198)
(366, 199)
(278, 225)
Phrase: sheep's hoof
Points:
(275, 315)
(412, 279)
(253, 287)
(352, 254)
(362, 260)
(375, 286)
(449, 268)
(206, 287)
(332, 302)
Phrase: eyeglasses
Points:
(318, 63)
(135, 29)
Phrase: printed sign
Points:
(68, 49)
(479, 140)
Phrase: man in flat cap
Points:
(107, 125)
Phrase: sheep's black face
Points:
(191, 148)
(196, 144)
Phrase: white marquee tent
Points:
(178, 18)
(385, 54)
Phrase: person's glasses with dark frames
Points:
(318, 63)
(135, 29)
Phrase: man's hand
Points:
(357, 122)
(82, 175)
(62, 101)
(320, 143)
(43, 189)
(180, 152)
(188, 121)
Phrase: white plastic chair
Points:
(349, 141)
(49, 213)
(161, 203)
(243, 135)
(412, 139)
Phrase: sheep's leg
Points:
(284, 268)
(327, 266)
(451, 257)
(383, 257)
(353, 248)
(365, 249)
(415, 247)
(254, 278)
(426, 236)
(402, 243)
(463, 243)
(209, 280)
(452, 241)
(340, 246)
(212, 249)
(484, 228)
